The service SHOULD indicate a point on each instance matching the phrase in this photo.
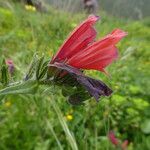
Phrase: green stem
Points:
(54, 134)
(27, 87)
(64, 125)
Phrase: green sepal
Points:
(39, 66)
(32, 68)
(4, 74)
(76, 95)
(67, 90)
(43, 70)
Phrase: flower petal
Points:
(95, 88)
(113, 138)
(78, 40)
(99, 60)
(99, 54)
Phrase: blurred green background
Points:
(32, 122)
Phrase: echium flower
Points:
(11, 66)
(116, 142)
(79, 52)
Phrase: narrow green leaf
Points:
(64, 125)
(32, 66)
(38, 67)
(28, 87)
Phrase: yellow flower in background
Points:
(147, 62)
(8, 104)
(69, 117)
(51, 52)
(27, 7)
(33, 9)
(116, 87)
(30, 8)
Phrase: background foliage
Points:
(31, 122)
(133, 9)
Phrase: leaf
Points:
(28, 87)
(43, 69)
(30, 72)
(39, 67)
(145, 127)
(4, 75)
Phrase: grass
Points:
(33, 122)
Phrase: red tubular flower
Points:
(81, 37)
(80, 52)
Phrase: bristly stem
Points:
(64, 125)
(27, 87)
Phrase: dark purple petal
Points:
(95, 88)
(68, 68)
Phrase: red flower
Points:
(80, 50)
(11, 66)
(112, 138)
(124, 145)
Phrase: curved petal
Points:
(99, 54)
(78, 40)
